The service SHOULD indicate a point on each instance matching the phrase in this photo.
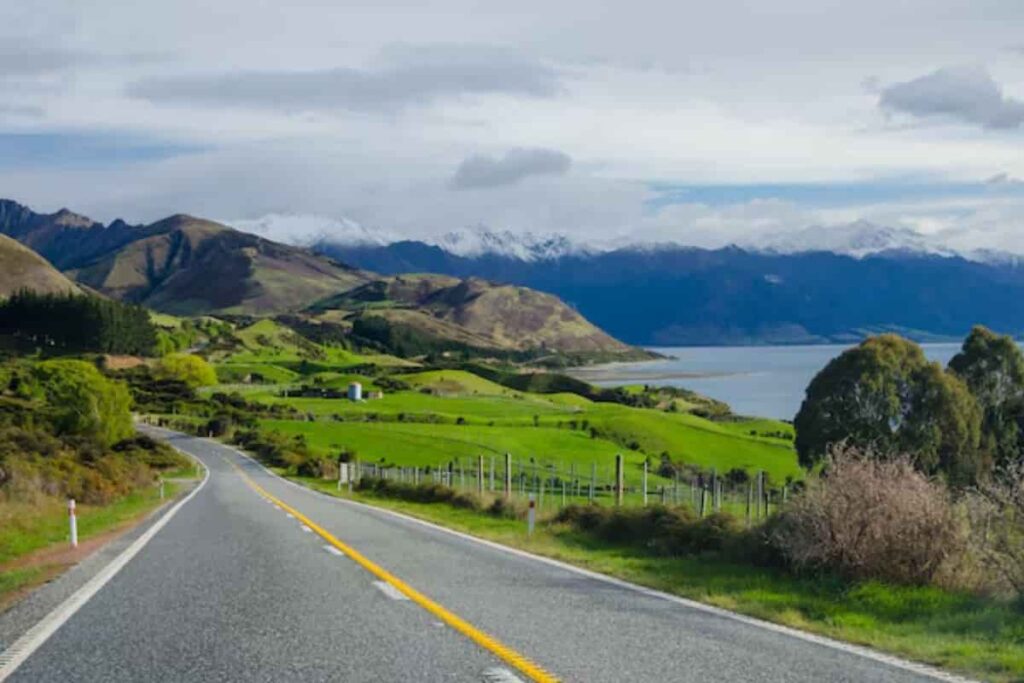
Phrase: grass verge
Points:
(974, 635)
(32, 537)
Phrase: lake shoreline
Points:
(767, 381)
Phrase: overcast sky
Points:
(695, 122)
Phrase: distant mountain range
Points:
(191, 266)
(811, 286)
(858, 239)
(669, 295)
(182, 265)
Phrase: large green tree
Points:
(885, 394)
(992, 366)
(81, 401)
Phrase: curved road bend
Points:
(233, 589)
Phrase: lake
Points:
(766, 381)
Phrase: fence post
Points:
(645, 484)
(563, 490)
(480, 474)
(593, 479)
(760, 491)
(675, 487)
(531, 516)
(508, 476)
(618, 478)
(703, 498)
(750, 494)
(492, 474)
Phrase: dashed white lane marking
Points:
(276, 506)
(334, 551)
(500, 675)
(289, 515)
(389, 590)
(307, 529)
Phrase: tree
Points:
(70, 323)
(885, 395)
(992, 366)
(81, 401)
(192, 370)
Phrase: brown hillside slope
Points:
(190, 266)
(478, 313)
(22, 268)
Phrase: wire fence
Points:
(554, 485)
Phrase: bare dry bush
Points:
(871, 518)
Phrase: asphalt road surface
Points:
(234, 588)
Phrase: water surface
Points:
(767, 381)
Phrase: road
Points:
(233, 588)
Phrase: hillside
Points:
(688, 296)
(180, 265)
(194, 266)
(477, 313)
(22, 268)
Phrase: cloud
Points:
(515, 165)
(966, 93)
(1004, 180)
(25, 60)
(408, 76)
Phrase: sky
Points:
(691, 122)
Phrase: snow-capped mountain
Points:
(527, 246)
(857, 239)
(306, 230)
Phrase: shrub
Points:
(187, 368)
(996, 513)
(871, 518)
(668, 531)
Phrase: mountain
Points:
(476, 313)
(858, 239)
(688, 296)
(22, 268)
(181, 265)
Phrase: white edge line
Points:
(860, 650)
(33, 639)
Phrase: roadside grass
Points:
(25, 528)
(974, 635)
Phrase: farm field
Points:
(410, 428)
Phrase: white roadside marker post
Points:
(531, 515)
(73, 522)
(161, 488)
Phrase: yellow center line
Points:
(484, 640)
